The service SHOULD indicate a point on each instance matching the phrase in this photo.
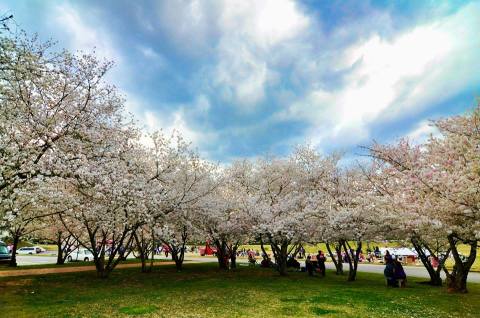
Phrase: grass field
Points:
(201, 291)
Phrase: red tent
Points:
(208, 250)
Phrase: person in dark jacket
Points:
(321, 262)
(292, 262)
(389, 273)
(399, 273)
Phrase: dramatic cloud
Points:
(390, 78)
(243, 78)
(84, 36)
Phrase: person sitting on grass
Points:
(399, 273)
(251, 259)
(389, 273)
(292, 262)
(266, 262)
(309, 265)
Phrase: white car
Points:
(29, 250)
(80, 254)
(39, 249)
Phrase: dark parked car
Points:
(4, 254)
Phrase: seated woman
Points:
(292, 262)
(266, 262)
(399, 273)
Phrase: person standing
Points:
(321, 262)
(301, 252)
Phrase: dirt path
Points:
(56, 270)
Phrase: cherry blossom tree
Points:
(27, 209)
(51, 104)
(47, 99)
(189, 184)
(224, 223)
(405, 221)
(441, 178)
(178, 179)
(112, 206)
(281, 206)
(350, 216)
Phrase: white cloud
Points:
(242, 37)
(393, 78)
(422, 132)
(176, 120)
(82, 35)
(248, 47)
(265, 23)
(240, 75)
(155, 58)
(251, 33)
(189, 24)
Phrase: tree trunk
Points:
(233, 260)
(281, 254)
(60, 259)
(222, 254)
(152, 230)
(143, 259)
(435, 278)
(144, 263)
(457, 279)
(232, 251)
(100, 265)
(262, 247)
(179, 265)
(352, 258)
(178, 256)
(103, 273)
(282, 266)
(144, 251)
(13, 259)
(337, 262)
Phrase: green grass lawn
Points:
(201, 291)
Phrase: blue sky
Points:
(246, 78)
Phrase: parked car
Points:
(30, 250)
(80, 254)
(4, 253)
(40, 249)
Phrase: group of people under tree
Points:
(318, 265)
